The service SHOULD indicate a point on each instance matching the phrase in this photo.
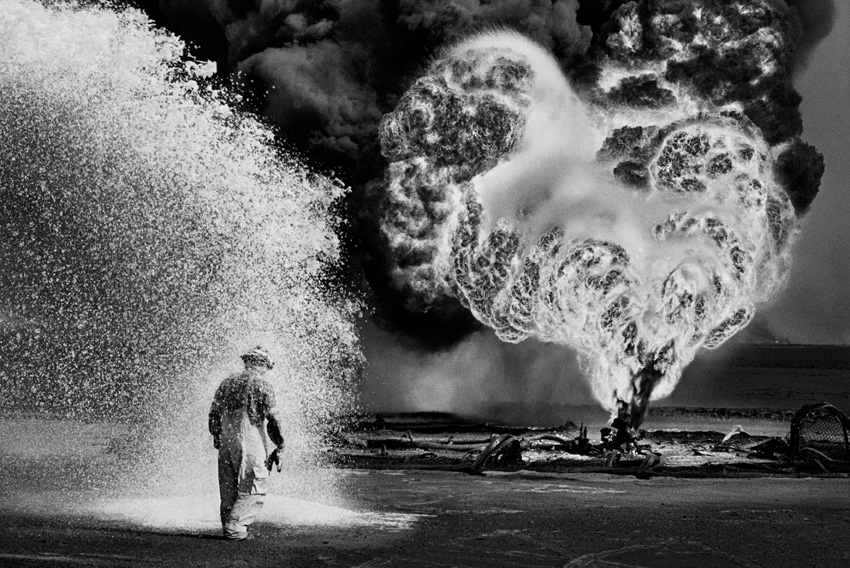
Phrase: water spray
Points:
(152, 232)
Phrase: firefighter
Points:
(243, 403)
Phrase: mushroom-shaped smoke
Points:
(636, 234)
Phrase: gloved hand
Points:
(274, 459)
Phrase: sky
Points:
(815, 308)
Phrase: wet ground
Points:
(443, 519)
(55, 512)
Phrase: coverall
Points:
(241, 404)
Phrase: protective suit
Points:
(242, 403)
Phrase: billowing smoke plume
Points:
(673, 101)
(636, 225)
(326, 71)
(671, 57)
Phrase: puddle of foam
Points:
(199, 513)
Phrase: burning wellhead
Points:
(637, 216)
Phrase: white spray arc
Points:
(501, 194)
(152, 234)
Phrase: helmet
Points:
(258, 356)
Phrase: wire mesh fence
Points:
(821, 429)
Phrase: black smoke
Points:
(326, 71)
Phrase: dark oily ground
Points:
(503, 518)
(496, 520)
(679, 442)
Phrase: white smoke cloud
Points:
(480, 377)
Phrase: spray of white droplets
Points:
(152, 234)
